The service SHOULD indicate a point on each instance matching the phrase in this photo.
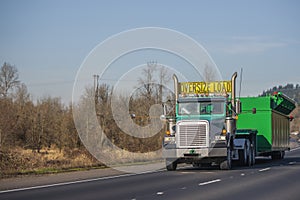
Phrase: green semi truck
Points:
(212, 126)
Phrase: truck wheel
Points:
(249, 158)
(226, 164)
(171, 165)
(243, 156)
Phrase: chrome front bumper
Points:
(194, 153)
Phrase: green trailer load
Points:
(269, 116)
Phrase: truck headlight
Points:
(169, 140)
(220, 137)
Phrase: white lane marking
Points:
(187, 172)
(209, 182)
(75, 182)
(265, 169)
(242, 174)
(65, 183)
(160, 193)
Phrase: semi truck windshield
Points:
(200, 108)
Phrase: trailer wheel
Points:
(171, 165)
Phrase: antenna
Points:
(241, 82)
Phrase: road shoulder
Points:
(38, 180)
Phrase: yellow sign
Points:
(205, 87)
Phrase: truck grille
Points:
(192, 134)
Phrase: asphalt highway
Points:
(267, 179)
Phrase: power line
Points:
(72, 81)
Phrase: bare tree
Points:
(8, 78)
(22, 105)
(8, 121)
(150, 91)
(21, 95)
(152, 82)
(209, 73)
(146, 83)
(164, 77)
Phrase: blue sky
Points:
(48, 40)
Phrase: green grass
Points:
(43, 171)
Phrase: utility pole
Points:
(161, 79)
(96, 83)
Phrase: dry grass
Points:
(120, 157)
(20, 161)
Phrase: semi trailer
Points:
(212, 127)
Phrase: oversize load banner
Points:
(205, 87)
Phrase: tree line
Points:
(30, 125)
(48, 123)
(291, 90)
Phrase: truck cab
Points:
(208, 111)
(202, 130)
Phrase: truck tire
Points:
(171, 165)
(249, 158)
(242, 157)
(246, 155)
(227, 164)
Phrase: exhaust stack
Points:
(175, 87)
(233, 92)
